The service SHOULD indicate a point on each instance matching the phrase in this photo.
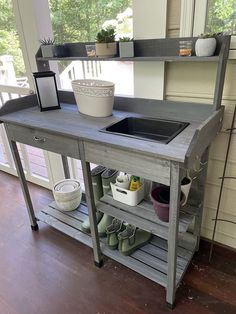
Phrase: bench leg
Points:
(175, 180)
(24, 186)
(91, 207)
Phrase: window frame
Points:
(199, 22)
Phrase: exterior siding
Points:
(195, 82)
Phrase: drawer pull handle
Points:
(39, 139)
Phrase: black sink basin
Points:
(149, 129)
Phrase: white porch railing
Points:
(80, 70)
(120, 73)
(8, 92)
(34, 160)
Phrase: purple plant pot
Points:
(160, 205)
(160, 197)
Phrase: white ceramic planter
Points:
(106, 50)
(126, 49)
(185, 188)
(67, 194)
(47, 51)
(94, 97)
(205, 47)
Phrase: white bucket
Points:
(94, 97)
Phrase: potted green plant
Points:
(60, 50)
(50, 49)
(205, 45)
(105, 43)
(126, 47)
(47, 47)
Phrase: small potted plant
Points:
(105, 43)
(126, 47)
(50, 49)
(47, 47)
(205, 45)
(60, 50)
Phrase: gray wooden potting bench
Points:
(166, 257)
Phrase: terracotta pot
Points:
(205, 47)
(106, 50)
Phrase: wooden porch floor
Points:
(48, 272)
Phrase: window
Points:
(216, 16)
(14, 84)
(12, 68)
(221, 16)
(79, 21)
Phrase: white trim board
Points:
(149, 22)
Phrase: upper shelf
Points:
(163, 58)
(147, 50)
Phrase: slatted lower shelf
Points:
(150, 261)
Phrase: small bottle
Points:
(134, 183)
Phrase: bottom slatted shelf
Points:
(150, 260)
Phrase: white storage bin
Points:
(131, 198)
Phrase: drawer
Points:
(148, 167)
(44, 140)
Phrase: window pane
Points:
(37, 162)
(120, 73)
(221, 16)
(80, 21)
(12, 68)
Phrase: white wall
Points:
(149, 21)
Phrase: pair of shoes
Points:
(127, 238)
(112, 231)
(101, 178)
(97, 193)
(108, 176)
(132, 239)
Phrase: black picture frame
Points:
(44, 74)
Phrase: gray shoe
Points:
(108, 176)
(112, 231)
(96, 175)
(86, 224)
(103, 224)
(132, 239)
(97, 193)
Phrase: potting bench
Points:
(166, 258)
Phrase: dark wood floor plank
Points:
(214, 282)
(47, 272)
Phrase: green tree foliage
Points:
(9, 41)
(221, 16)
(73, 21)
(6, 15)
(80, 20)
